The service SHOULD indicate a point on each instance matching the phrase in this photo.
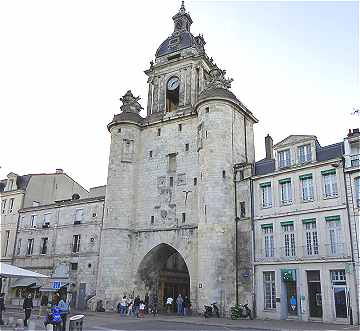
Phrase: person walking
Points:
(141, 309)
(169, 302)
(130, 308)
(137, 305)
(179, 304)
(27, 306)
(186, 305)
(2, 307)
(64, 310)
(123, 306)
(146, 301)
(155, 304)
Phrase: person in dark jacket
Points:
(2, 307)
(27, 306)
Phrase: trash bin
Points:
(76, 323)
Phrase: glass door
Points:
(340, 300)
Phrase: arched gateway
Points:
(163, 271)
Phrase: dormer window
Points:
(284, 158)
(304, 153)
(10, 185)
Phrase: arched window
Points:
(172, 94)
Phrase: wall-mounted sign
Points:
(56, 285)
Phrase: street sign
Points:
(56, 285)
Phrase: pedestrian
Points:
(179, 304)
(53, 317)
(146, 301)
(137, 305)
(123, 306)
(186, 305)
(131, 308)
(141, 309)
(27, 306)
(2, 307)
(155, 304)
(169, 302)
(64, 310)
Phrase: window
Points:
(171, 181)
(47, 218)
(180, 127)
(18, 247)
(7, 236)
(223, 173)
(76, 243)
(119, 130)
(269, 290)
(11, 205)
(172, 162)
(43, 246)
(3, 206)
(285, 191)
(74, 266)
(150, 154)
(152, 220)
(329, 179)
(187, 147)
(183, 217)
(159, 132)
(207, 109)
(334, 227)
(311, 238)
(266, 195)
(307, 190)
(357, 191)
(284, 158)
(79, 214)
(30, 246)
(268, 235)
(338, 277)
(195, 181)
(242, 209)
(10, 184)
(33, 221)
(304, 153)
(289, 239)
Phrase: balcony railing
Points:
(301, 252)
(355, 160)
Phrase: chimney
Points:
(269, 147)
(59, 171)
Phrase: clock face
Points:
(173, 83)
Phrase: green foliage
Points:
(235, 312)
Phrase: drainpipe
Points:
(17, 230)
(253, 238)
(236, 240)
(351, 243)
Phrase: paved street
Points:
(112, 321)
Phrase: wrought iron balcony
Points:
(335, 250)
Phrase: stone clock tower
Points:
(169, 224)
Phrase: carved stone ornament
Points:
(130, 103)
(217, 79)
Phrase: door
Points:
(291, 296)
(341, 303)
(314, 294)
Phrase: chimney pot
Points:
(59, 171)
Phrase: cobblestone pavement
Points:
(112, 321)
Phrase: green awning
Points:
(328, 172)
(265, 184)
(307, 176)
(287, 223)
(332, 218)
(309, 220)
(285, 180)
(265, 226)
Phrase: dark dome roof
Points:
(186, 40)
(126, 117)
(218, 93)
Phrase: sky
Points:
(65, 64)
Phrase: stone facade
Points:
(302, 228)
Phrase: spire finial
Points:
(182, 8)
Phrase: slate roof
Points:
(186, 40)
(267, 166)
(21, 182)
(219, 93)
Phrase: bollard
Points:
(31, 325)
(76, 323)
(49, 327)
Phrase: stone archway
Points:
(164, 271)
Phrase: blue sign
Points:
(56, 285)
